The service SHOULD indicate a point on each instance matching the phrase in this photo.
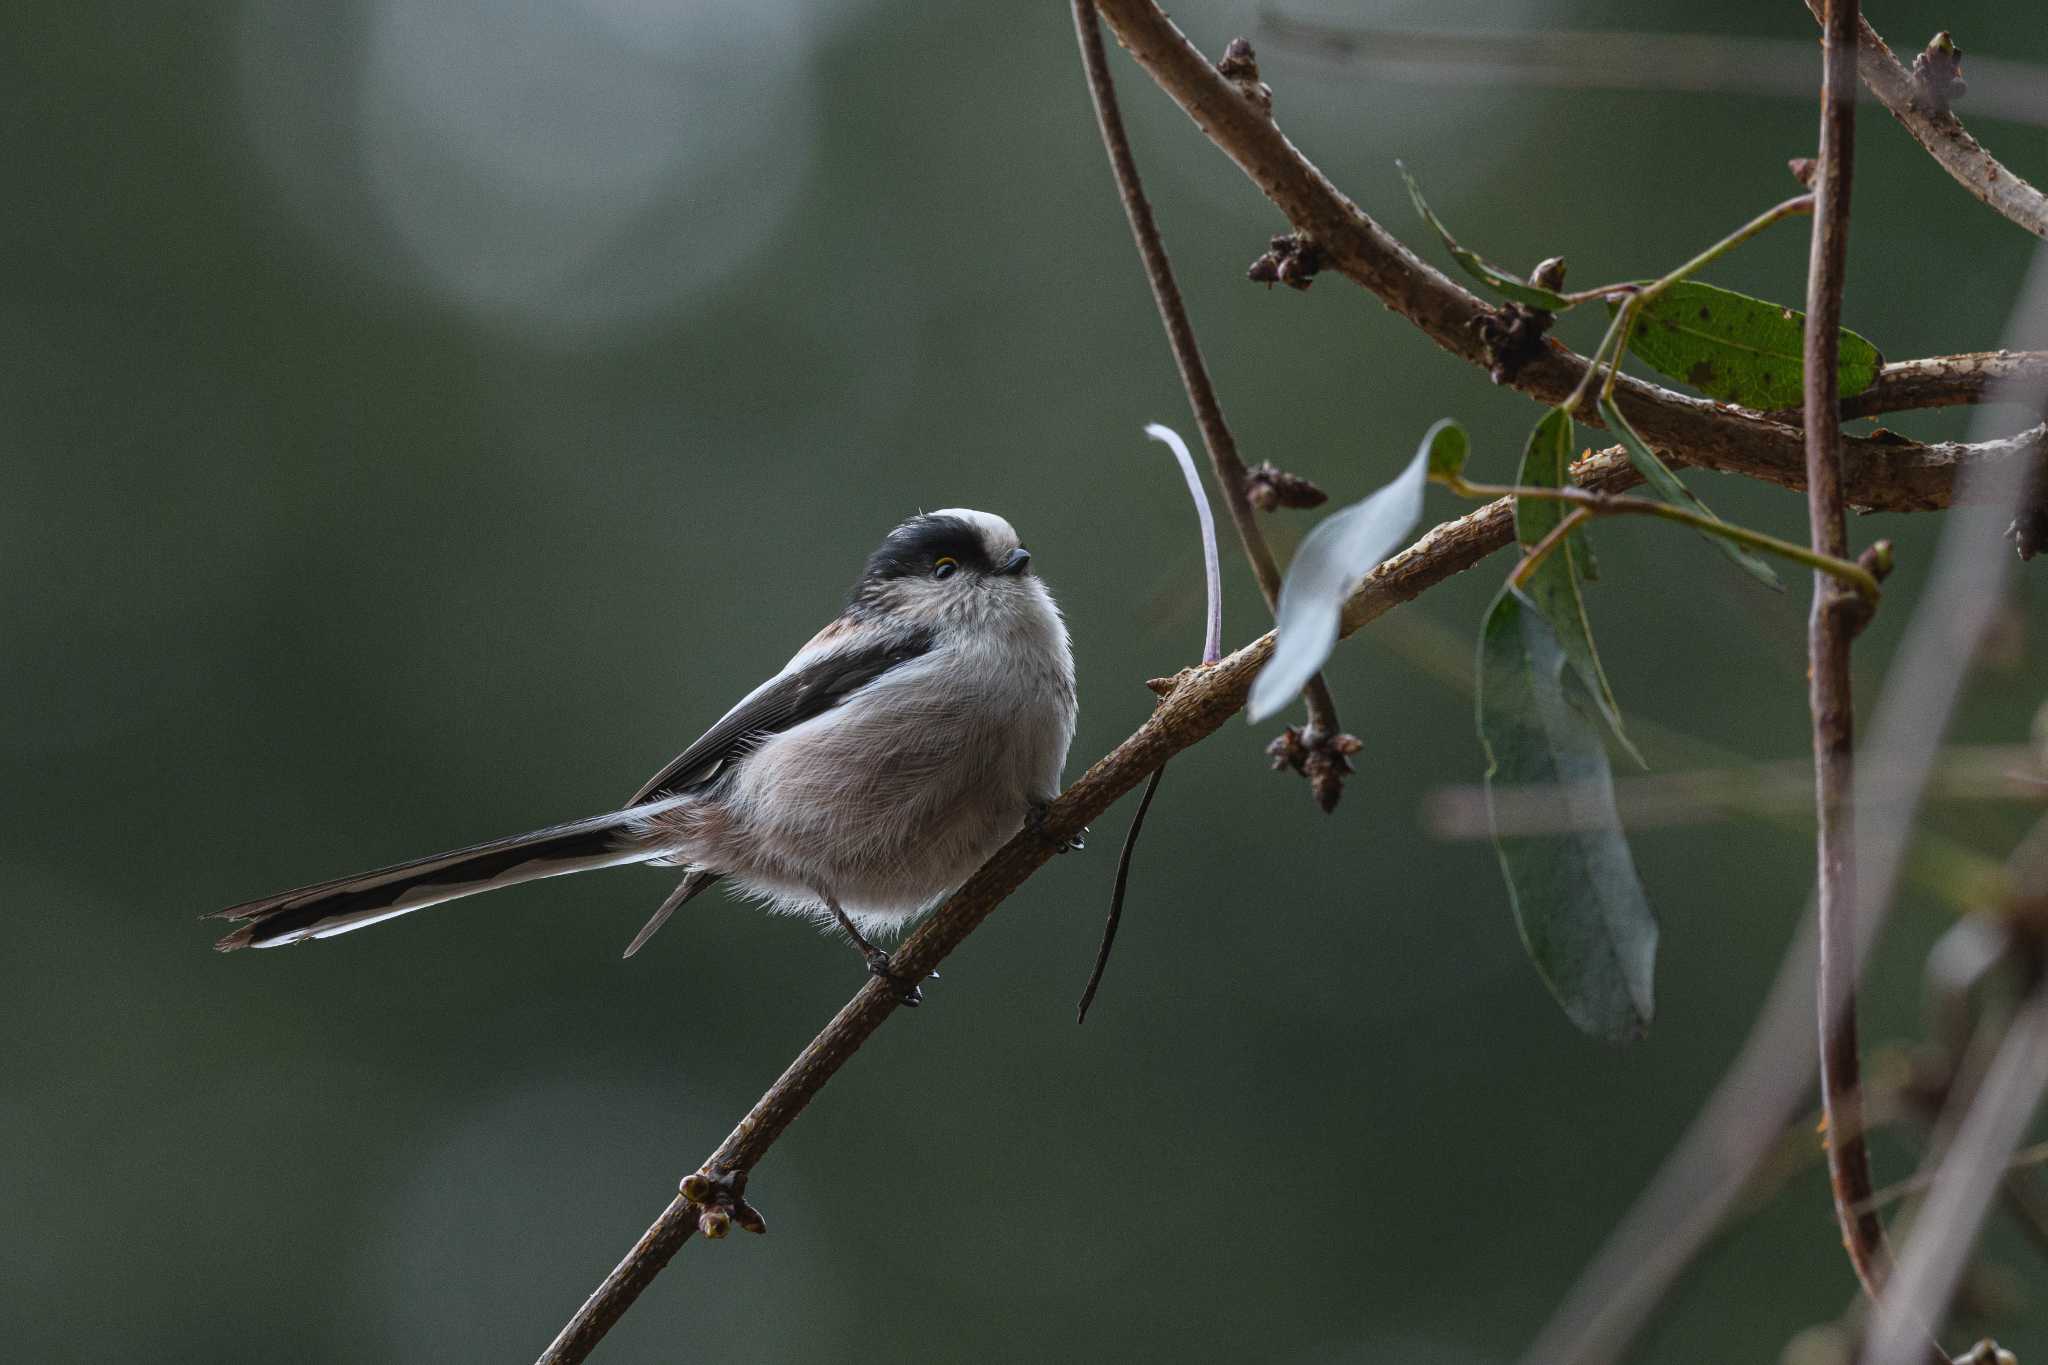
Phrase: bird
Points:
(910, 738)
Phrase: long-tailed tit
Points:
(886, 761)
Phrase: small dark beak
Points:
(1018, 562)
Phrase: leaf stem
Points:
(1791, 208)
(1613, 504)
(1585, 385)
(1541, 550)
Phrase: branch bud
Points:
(1938, 73)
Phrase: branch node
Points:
(1292, 259)
(1549, 274)
(1270, 487)
(1325, 760)
(1513, 336)
(1803, 169)
(719, 1197)
(1240, 66)
(1987, 1352)
(1938, 73)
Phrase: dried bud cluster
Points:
(720, 1201)
(1512, 335)
(1325, 760)
(1291, 259)
(1268, 488)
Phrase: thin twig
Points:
(1116, 896)
(2031, 1155)
(1611, 59)
(1992, 772)
(1231, 474)
(1533, 559)
(1885, 474)
(1831, 627)
(1968, 1178)
(1610, 504)
(1942, 134)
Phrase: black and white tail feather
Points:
(335, 907)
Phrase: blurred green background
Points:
(422, 417)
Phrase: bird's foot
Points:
(1036, 823)
(719, 1197)
(907, 991)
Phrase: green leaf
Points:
(1492, 276)
(1554, 588)
(1447, 445)
(1660, 477)
(1736, 348)
(1577, 900)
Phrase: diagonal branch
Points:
(1231, 474)
(1887, 474)
(1200, 702)
(1831, 627)
(1930, 122)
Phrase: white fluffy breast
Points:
(892, 799)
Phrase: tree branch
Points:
(1874, 474)
(1947, 381)
(1931, 124)
(1231, 474)
(1609, 59)
(1202, 699)
(1885, 474)
(1831, 627)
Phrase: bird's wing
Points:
(813, 684)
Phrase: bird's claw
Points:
(1072, 843)
(907, 992)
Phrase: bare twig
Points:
(2022, 1159)
(1886, 474)
(1582, 59)
(1831, 627)
(1968, 1178)
(1231, 474)
(1116, 896)
(1932, 125)
(1998, 772)
(1585, 504)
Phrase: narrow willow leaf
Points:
(1738, 349)
(1344, 548)
(1492, 276)
(1577, 900)
(1554, 587)
(1660, 477)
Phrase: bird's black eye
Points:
(945, 566)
